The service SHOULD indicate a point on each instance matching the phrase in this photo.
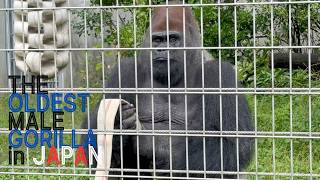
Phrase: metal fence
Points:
(282, 91)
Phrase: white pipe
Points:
(27, 35)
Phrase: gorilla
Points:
(179, 112)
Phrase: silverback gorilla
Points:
(186, 153)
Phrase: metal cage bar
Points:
(268, 139)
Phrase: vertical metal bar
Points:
(55, 65)
(71, 75)
(38, 23)
(11, 39)
(86, 45)
(236, 84)
(169, 87)
(87, 68)
(25, 73)
(55, 49)
(152, 95)
(186, 88)
(102, 46)
(220, 90)
(203, 97)
(290, 77)
(7, 39)
(136, 84)
(255, 89)
(309, 96)
(12, 152)
(120, 95)
(102, 57)
(272, 85)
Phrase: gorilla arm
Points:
(128, 112)
(229, 116)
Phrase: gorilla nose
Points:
(161, 50)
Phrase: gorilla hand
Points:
(129, 120)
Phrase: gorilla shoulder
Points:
(211, 74)
(127, 69)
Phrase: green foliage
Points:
(299, 23)
(281, 36)
(227, 34)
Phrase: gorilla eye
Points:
(157, 40)
(173, 39)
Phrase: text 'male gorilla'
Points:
(186, 153)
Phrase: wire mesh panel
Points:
(207, 89)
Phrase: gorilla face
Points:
(170, 34)
(162, 57)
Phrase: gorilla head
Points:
(173, 31)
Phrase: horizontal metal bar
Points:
(164, 177)
(195, 133)
(162, 48)
(84, 131)
(190, 91)
(164, 5)
(106, 89)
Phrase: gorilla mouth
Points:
(161, 59)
